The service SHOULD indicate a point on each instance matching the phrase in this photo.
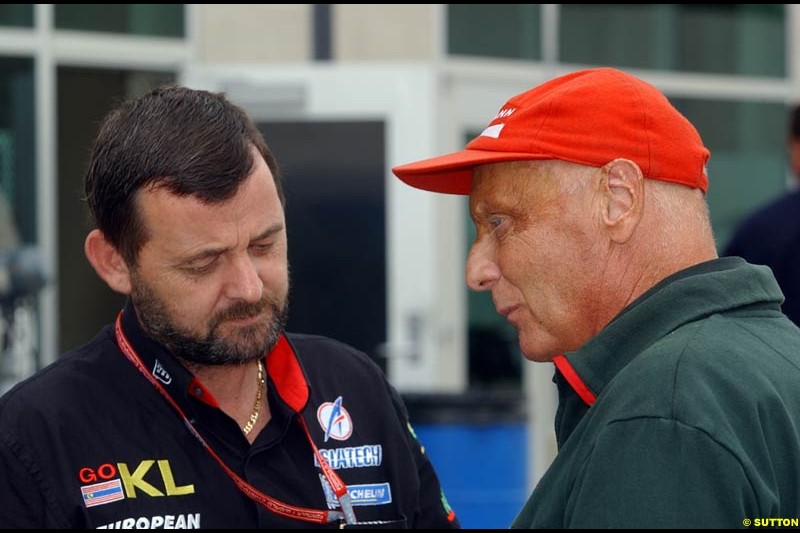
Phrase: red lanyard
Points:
(313, 516)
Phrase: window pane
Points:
(17, 170)
(746, 39)
(164, 20)
(16, 15)
(748, 164)
(494, 30)
(336, 226)
(85, 96)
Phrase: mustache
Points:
(240, 310)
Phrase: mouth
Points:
(506, 311)
(245, 321)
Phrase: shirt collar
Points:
(283, 367)
(711, 287)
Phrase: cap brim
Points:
(452, 173)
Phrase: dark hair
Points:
(191, 142)
(794, 123)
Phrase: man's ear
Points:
(623, 187)
(107, 262)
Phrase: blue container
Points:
(482, 468)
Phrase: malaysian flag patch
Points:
(101, 493)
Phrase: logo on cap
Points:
(504, 113)
(494, 130)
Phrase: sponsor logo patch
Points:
(167, 521)
(370, 494)
(355, 457)
(335, 420)
(161, 374)
(118, 481)
(360, 495)
(102, 493)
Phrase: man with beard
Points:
(195, 409)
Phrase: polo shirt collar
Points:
(711, 287)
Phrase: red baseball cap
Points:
(588, 117)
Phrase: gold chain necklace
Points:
(257, 407)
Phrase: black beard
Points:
(251, 344)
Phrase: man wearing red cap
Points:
(678, 375)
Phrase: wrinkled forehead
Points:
(512, 181)
(253, 206)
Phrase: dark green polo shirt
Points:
(696, 421)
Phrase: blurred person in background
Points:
(22, 276)
(195, 408)
(678, 375)
(9, 238)
(771, 235)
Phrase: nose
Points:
(244, 282)
(482, 270)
